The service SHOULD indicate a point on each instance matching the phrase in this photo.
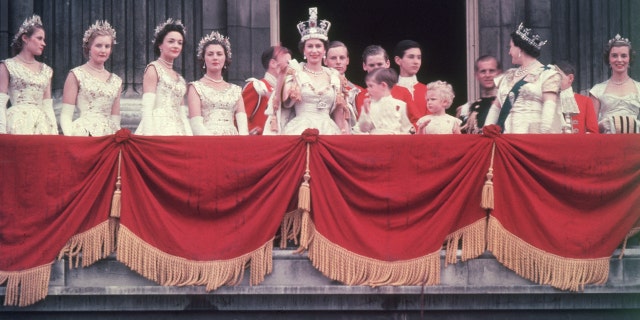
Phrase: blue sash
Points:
(508, 104)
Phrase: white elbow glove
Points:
(547, 116)
(197, 126)
(148, 101)
(4, 98)
(115, 118)
(241, 121)
(66, 118)
(47, 108)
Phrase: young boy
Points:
(381, 113)
(439, 98)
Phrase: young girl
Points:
(381, 113)
(439, 98)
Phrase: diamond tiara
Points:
(33, 21)
(217, 37)
(161, 27)
(100, 25)
(619, 39)
(311, 29)
(530, 38)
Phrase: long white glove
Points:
(241, 121)
(66, 118)
(146, 112)
(3, 112)
(548, 116)
(115, 118)
(197, 126)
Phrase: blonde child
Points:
(381, 113)
(439, 98)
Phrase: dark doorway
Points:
(439, 26)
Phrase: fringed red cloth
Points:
(55, 198)
(382, 206)
(197, 210)
(563, 203)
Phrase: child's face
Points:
(435, 103)
(376, 90)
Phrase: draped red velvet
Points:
(384, 198)
(203, 198)
(574, 196)
(52, 188)
(396, 197)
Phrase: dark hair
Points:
(272, 52)
(486, 57)
(163, 33)
(566, 67)
(337, 44)
(373, 50)
(380, 75)
(607, 51)
(525, 46)
(17, 44)
(302, 43)
(403, 46)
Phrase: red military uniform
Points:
(586, 119)
(256, 96)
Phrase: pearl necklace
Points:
(522, 70)
(25, 61)
(206, 76)
(166, 63)
(620, 82)
(99, 70)
(315, 73)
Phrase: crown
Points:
(216, 37)
(312, 29)
(99, 26)
(619, 39)
(163, 25)
(28, 23)
(530, 38)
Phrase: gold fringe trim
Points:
(542, 267)
(351, 269)
(474, 242)
(115, 201)
(290, 227)
(94, 244)
(169, 270)
(26, 287)
(487, 201)
(630, 234)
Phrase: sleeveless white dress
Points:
(218, 108)
(613, 105)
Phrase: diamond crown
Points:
(28, 23)
(312, 29)
(530, 38)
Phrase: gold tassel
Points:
(487, 201)
(304, 194)
(115, 201)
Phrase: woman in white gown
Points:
(93, 89)
(617, 100)
(27, 83)
(527, 96)
(310, 95)
(214, 103)
(163, 109)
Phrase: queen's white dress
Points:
(218, 107)
(95, 100)
(28, 113)
(168, 116)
